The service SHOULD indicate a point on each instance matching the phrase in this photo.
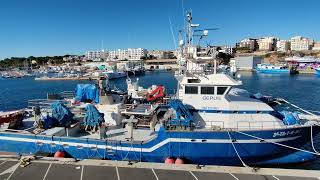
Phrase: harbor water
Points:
(303, 90)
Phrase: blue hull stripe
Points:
(156, 146)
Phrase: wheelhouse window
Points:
(193, 80)
(191, 90)
(221, 90)
(207, 90)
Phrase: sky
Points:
(59, 27)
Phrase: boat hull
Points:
(195, 147)
(116, 75)
(136, 72)
(317, 72)
(273, 71)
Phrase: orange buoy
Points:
(59, 154)
(179, 161)
(169, 161)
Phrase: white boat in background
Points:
(114, 74)
(302, 59)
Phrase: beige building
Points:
(249, 43)
(283, 45)
(267, 43)
(158, 54)
(316, 46)
(299, 43)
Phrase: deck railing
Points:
(214, 125)
(62, 95)
(45, 103)
(259, 124)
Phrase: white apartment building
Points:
(249, 43)
(267, 43)
(299, 43)
(97, 55)
(128, 54)
(283, 45)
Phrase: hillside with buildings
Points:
(271, 49)
(297, 43)
(129, 54)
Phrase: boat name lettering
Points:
(286, 133)
(209, 108)
(209, 98)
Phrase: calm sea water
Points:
(303, 90)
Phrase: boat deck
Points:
(140, 109)
(116, 133)
(10, 169)
(121, 135)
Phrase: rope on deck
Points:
(235, 149)
(314, 111)
(310, 112)
(283, 145)
(293, 105)
(312, 145)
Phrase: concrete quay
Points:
(50, 168)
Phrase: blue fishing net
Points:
(61, 113)
(93, 117)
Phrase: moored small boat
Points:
(114, 74)
(11, 119)
(269, 68)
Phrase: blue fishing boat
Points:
(317, 71)
(208, 121)
(269, 68)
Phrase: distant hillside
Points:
(16, 62)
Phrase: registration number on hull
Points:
(286, 133)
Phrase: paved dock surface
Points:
(96, 170)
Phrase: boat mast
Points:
(185, 49)
(189, 28)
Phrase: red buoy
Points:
(179, 161)
(169, 161)
(59, 154)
